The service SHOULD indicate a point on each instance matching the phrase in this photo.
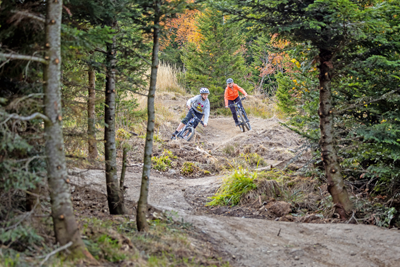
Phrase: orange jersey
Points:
(232, 93)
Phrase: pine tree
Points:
(334, 29)
(123, 68)
(329, 26)
(218, 56)
(155, 13)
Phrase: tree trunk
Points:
(114, 194)
(336, 185)
(65, 226)
(144, 190)
(91, 115)
(122, 179)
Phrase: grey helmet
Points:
(230, 80)
(204, 90)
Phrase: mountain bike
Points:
(188, 130)
(241, 115)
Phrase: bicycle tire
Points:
(241, 121)
(188, 133)
(247, 125)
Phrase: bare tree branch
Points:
(18, 100)
(133, 91)
(145, 60)
(27, 118)
(100, 50)
(4, 63)
(366, 101)
(23, 218)
(29, 15)
(55, 251)
(23, 57)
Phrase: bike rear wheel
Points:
(188, 133)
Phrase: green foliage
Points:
(253, 159)
(188, 168)
(229, 150)
(386, 216)
(287, 101)
(376, 212)
(110, 248)
(364, 38)
(22, 165)
(219, 56)
(23, 235)
(163, 162)
(233, 187)
(275, 174)
(165, 244)
(11, 258)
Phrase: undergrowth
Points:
(188, 168)
(167, 243)
(116, 240)
(233, 187)
(163, 162)
(244, 186)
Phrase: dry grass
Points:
(163, 114)
(260, 106)
(167, 79)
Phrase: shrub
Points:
(229, 150)
(233, 187)
(188, 168)
(253, 159)
(163, 162)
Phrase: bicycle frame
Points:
(237, 106)
(242, 116)
(189, 124)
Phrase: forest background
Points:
(332, 63)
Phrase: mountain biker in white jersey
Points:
(200, 106)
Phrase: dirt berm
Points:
(260, 242)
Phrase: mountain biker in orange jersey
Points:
(232, 96)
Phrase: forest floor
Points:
(247, 234)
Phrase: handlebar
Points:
(234, 104)
(195, 117)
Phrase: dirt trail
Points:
(257, 242)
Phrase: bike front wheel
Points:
(247, 125)
(188, 133)
(242, 122)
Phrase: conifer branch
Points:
(145, 60)
(135, 92)
(100, 50)
(366, 101)
(23, 57)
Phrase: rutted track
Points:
(256, 242)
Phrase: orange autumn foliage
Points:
(184, 27)
(276, 61)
